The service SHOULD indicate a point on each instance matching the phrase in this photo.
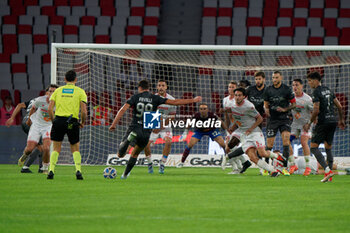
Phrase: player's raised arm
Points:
(18, 108)
(184, 101)
(340, 112)
(119, 116)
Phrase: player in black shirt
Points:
(255, 93)
(142, 102)
(324, 101)
(278, 101)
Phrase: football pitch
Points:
(182, 200)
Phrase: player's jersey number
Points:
(142, 107)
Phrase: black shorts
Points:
(60, 128)
(323, 133)
(138, 136)
(277, 125)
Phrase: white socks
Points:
(262, 164)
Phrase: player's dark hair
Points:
(298, 80)
(259, 73)
(162, 81)
(70, 75)
(144, 84)
(241, 89)
(233, 82)
(314, 75)
(244, 82)
(277, 72)
(51, 85)
(202, 103)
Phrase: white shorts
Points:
(164, 133)
(255, 139)
(300, 162)
(35, 133)
(298, 131)
(238, 133)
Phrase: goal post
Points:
(109, 74)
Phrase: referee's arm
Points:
(83, 113)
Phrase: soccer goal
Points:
(109, 74)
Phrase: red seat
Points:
(286, 31)
(345, 32)
(81, 68)
(91, 98)
(76, 2)
(9, 42)
(269, 22)
(48, 10)
(254, 40)
(285, 61)
(149, 40)
(270, 12)
(24, 29)
(30, 2)
(18, 68)
(313, 54)
(10, 19)
(187, 109)
(315, 41)
(137, 11)
(107, 3)
(5, 58)
(316, 12)
(224, 31)
(299, 22)
(105, 99)
(226, 12)
(57, 20)
(88, 20)
(320, 70)
(150, 20)
(286, 12)
(61, 3)
(332, 3)
(333, 60)
(108, 11)
(333, 32)
(344, 13)
(205, 71)
(102, 39)
(241, 3)
(15, 3)
(154, 3)
(40, 39)
(46, 58)
(70, 30)
(215, 98)
(206, 53)
(20, 10)
(128, 94)
(271, 4)
(210, 12)
(133, 30)
(117, 102)
(4, 93)
(329, 23)
(344, 40)
(253, 21)
(301, 4)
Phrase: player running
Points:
(323, 109)
(301, 115)
(37, 151)
(204, 115)
(40, 122)
(168, 112)
(239, 161)
(278, 101)
(248, 119)
(142, 102)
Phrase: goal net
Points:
(109, 75)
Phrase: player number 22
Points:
(141, 107)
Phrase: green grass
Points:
(183, 200)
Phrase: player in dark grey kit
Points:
(142, 102)
(324, 101)
(36, 153)
(279, 99)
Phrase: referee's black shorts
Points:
(60, 128)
